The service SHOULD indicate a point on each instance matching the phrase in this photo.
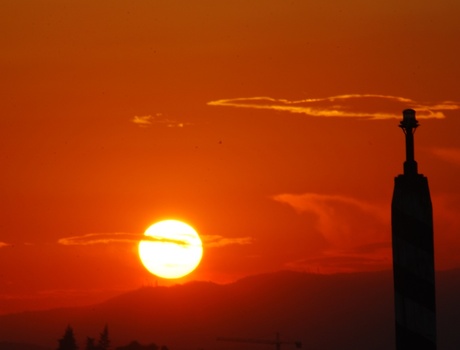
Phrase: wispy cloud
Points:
(213, 241)
(367, 106)
(157, 119)
(209, 241)
(357, 232)
(143, 120)
(101, 238)
(317, 202)
(4, 244)
(343, 221)
(450, 155)
(372, 257)
(116, 237)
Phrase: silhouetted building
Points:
(413, 253)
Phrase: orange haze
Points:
(269, 126)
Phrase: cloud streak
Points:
(357, 233)
(101, 238)
(215, 241)
(450, 155)
(116, 237)
(4, 244)
(209, 241)
(345, 222)
(365, 258)
(364, 106)
(145, 121)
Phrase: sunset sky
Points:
(269, 126)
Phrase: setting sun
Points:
(172, 249)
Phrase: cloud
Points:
(450, 155)
(117, 237)
(209, 241)
(365, 258)
(142, 121)
(213, 241)
(149, 120)
(446, 229)
(358, 233)
(3, 244)
(343, 221)
(101, 238)
(366, 106)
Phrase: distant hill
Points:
(342, 311)
(20, 346)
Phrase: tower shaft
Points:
(413, 253)
(410, 165)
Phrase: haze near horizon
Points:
(270, 128)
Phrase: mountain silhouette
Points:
(341, 311)
(20, 346)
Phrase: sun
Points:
(170, 249)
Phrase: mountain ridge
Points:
(357, 309)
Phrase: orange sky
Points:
(270, 126)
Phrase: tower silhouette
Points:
(413, 251)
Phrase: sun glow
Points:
(171, 249)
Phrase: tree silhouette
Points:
(67, 342)
(90, 344)
(135, 345)
(104, 341)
